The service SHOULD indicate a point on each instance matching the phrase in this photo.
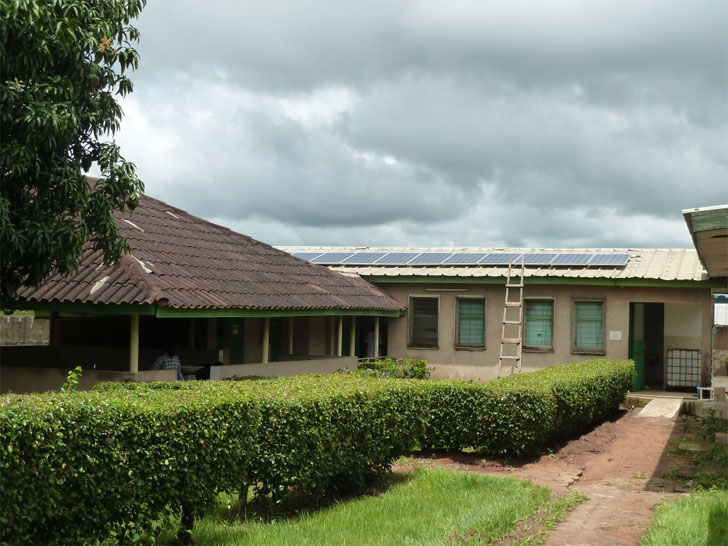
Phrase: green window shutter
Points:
(539, 323)
(471, 322)
(589, 325)
(424, 319)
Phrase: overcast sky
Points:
(540, 124)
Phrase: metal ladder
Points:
(510, 323)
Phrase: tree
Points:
(62, 67)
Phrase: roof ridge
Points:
(458, 249)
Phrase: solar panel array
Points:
(465, 259)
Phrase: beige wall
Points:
(450, 362)
(253, 336)
(721, 338)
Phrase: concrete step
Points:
(668, 408)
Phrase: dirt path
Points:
(618, 465)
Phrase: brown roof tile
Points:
(178, 260)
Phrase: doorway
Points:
(364, 329)
(647, 344)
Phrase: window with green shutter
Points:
(588, 332)
(539, 324)
(471, 322)
(423, 314)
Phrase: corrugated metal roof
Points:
(659, 264)
(709, 229)
(180, 261)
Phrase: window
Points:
(539, 324)
(588, 332)
(471, 322)
(423, 322)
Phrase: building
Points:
(217, 294)
(655, 306)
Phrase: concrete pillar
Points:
(376, 337)
(134, 344)
(330, 343)
(290, 335)
(266, 339)
(339, 335)
(352, 337)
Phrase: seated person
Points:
(169, 361)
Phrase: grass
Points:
(426, 507)
(702, 517)
(697, 520)
(535, 530)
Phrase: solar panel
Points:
(308, 256)
(430, 258)
(363, 258)
(609, 260)
(464, 258)
(397, 258)
(572, 259)
(501, 258)
(331, 258)
(539, 259)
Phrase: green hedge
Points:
(77, 467)
(402, 368)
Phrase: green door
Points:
(637, 344)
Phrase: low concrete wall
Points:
(25, 380)
(23, 330)
(106, 358)
(291, 367)
(717, 407)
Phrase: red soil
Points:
(619, 465)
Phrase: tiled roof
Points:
(675, 264)
(180, 261)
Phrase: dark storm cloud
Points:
(429, 123)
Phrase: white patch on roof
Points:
(97, 286)
(141, 263)
(99, 266)
(132, 224)
(173, 215)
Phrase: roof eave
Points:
(148, 309)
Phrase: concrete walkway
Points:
(667, 408)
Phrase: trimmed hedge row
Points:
(402, 368)
(83, 466)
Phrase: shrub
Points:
(520, 414)
(585, 393)
(88, 465)
(83, 466)
(402, 368)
